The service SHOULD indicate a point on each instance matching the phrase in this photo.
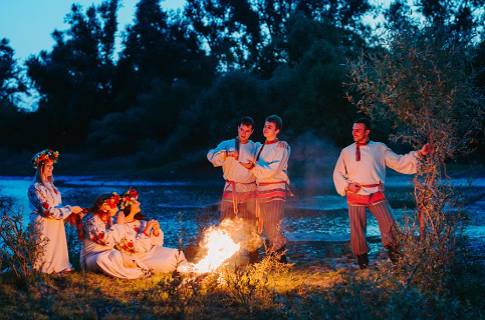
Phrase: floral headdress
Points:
(110, 203)
(45, 155)
(128, 197)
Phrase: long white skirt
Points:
(55, 257)
(97, 258)
(162, 259)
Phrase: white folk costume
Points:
(365, 164)
(240, 189)
(270, 169)
(49, 218)
(153, 254)
(98, 252)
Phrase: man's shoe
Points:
(394, 253)
(280, 255)
(363, 261)
(253, 257)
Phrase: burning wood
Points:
(220, 247)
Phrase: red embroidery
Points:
(45, 205)
(101, 235)
(137, 229)
(130, 244)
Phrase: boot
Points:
(253, 256)
(363, 261)
(281, 255)
(394, 253)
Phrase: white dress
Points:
(98, 253)
(49, 217)
(153, 254)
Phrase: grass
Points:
(268, 290)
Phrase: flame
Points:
(220, 247)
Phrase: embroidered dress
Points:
(240, 188)
(98, 252)
(49, 217)
(153, 254)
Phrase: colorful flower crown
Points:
(45, 155)
(110, 203)
(128, 197)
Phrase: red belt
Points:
(269, 183)
(371, 185)
(234, 195)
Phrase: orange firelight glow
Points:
(220, 247)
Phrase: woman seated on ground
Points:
(155, 256)
(101, 235)
(49, 216)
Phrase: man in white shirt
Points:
(240, 189)
(360, 174)
(270, 168)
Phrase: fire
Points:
(220, 247)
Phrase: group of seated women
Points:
(128, 246)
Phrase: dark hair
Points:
(138, 215)
(365, 121)
(276, 120)
(247, 121)
(96, 208)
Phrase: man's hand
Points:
(233, 154)
(353, 187)
(426, 149)
(249, 165)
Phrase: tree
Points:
(75, 79)
(11, 82)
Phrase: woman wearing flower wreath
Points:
(101, 235)
(48, 215)
(152, 253)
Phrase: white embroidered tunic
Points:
(271, 170)
(232, 169)
(371, 169)
(48, 216)
(99, 254)
(157, 257)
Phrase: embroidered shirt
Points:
(371, 169)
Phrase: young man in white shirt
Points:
(360, 174)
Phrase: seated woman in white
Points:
(101, 235)
(155, 256)
(49, 215)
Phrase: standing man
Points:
(238, 198)
(360, 174)
(270, 168)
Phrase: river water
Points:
(315, 222)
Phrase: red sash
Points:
(365, 199)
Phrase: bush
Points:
(21, 245)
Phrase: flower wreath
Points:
(110, 203)
(128, 197)
(44, 155)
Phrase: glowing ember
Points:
(220, 248)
